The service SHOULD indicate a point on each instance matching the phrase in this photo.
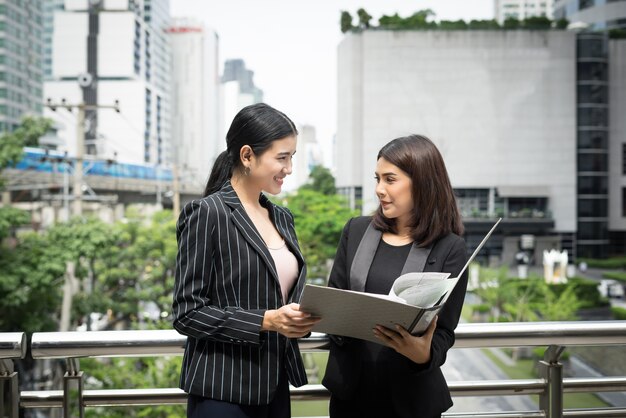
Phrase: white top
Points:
(286, 267)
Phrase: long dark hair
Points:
(257, 125)
(435, 212)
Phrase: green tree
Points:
(346, 21)
(364, 18)
(319, 220)
(537, 23)
(484, 24)
(30, 284)
(322, 181)
(135, 265)
(562, 23)
(390, 22)
(419, 20)
(512, 23)
(453, 24)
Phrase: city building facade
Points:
(521, 9)
(111, 52)
(503, 110)
(195, 98)
(21, 82)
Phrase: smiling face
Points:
(393, 188)
(268, 170)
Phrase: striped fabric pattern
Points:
(225, 281)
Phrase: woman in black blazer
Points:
(239, 269)
(415, 228)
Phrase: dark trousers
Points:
(279, 407)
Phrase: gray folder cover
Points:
(355, 314)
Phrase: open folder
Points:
(413, 302)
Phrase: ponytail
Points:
(220, 173)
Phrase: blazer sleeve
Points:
(448, 317)
(194, 313)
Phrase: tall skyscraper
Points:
(195, 96)
(521, 9)
(49, 7)
(237, 91)
(21, 28)
(113, 50)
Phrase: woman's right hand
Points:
(289, 321)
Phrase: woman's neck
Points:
(402, 228)
(247, 193)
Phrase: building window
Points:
(593, 185)
(593, 162)
(593, 140)
(624, 158)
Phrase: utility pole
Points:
(77, 189)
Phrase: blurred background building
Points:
(521, 9)
(505, 108)
(21, 58)
(195, 98)
(107, 51)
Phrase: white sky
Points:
(291, 45)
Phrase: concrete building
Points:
(195, 98)
(237, 91)
(521, 9)
(501, 108)
(107, 51)
(597, 14)
(308, 155)
(21, 50)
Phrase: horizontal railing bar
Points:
(594, 384)
(128, 397)
(497, 387)
(169, 342)
(12, 345)
(519, 334)
(618, 412)
(505, 414)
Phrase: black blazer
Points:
(419, 390)
(225, 281)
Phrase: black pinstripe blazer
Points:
(225, 281)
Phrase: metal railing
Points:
(12, 347)
(550, 386)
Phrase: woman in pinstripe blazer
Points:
(239, 269)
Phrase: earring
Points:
(246, 171)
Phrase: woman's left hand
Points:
(416, 349)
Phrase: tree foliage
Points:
(423, 19)
(346, 21)
(532, 299)
(322, 181)
(319, 220)
(364, 18)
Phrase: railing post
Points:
(551, 401)
(9, 390)
(73, 391)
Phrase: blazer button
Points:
(432, 261)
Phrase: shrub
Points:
(619, 313)
(615, 275)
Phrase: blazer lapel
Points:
(245, 226)
(363, 258)
(415, 261)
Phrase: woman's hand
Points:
(416, 349)
(289, 321)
